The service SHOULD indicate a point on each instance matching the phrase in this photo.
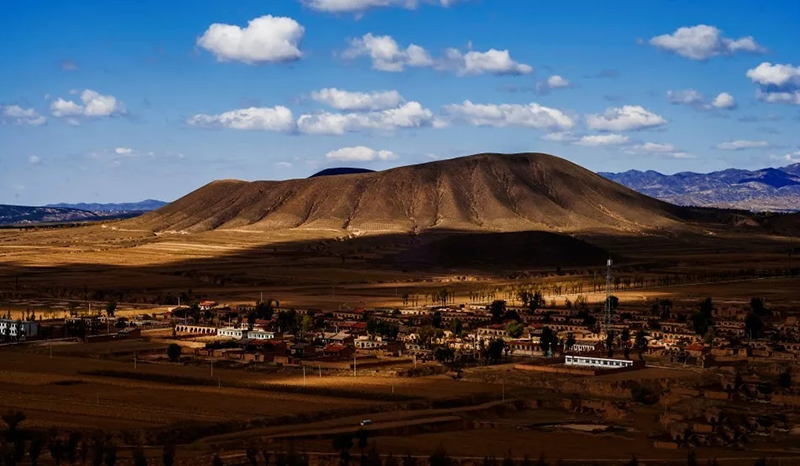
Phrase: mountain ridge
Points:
(767, 189)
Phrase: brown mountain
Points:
(484, 192)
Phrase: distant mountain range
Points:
(143, 206)
(768, 189)
(70, 213)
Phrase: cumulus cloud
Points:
(602, 140)
(387, 55)
(268, 39)
(254, 118)
(777, 83)
(407, 115)
(360, 6)
(553, 82)
(742, 144)
(17, 115)
(34, 160)
(531, 115)
(497, 62)
(123, 150)
(93, 105)
(358, 101)
(723, 101)
(626, 118)
(359, 154)
(702, 42)
(692, 98)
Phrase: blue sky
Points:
(120, 101)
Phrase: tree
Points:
(363, 439)
(174, 352)
(35, 449)
(13, 419)
(497, 309)
(111, 454)
(691, 458)
(641, 343)
(437, 319)
(168, 454)
(515, 329)
(610, 343)
(56, 448)
(536, 301)
(570, 341)
(758, 307)
(547, 340)
(138, 457)
(252, 454)
(306, 324)
(111, 308)
(457, 327)
(217, 461)
(264, 310)
(342, 443)
(753, 325)
(444, 354)
(439, 457)
(613, 301)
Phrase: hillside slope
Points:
(484, 192)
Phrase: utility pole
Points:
(134, 360)
(212, 368)
(304, 376)
(607, 313)
(355, 365)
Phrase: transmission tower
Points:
(607, 312)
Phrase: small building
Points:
(338, 351)
(260, 335)
(230, 332)
(596, 362)
(10, 328)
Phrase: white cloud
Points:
(777, 83)
(254, 118)
(359, 154)
(532, 115)
(97, 105)
(702, 42)
(34, 160)
(408, 115)
(655, 147)
(497, 62)
(94, 105)
(559, 136)
(21, 116)
(685, 97)
(553, 82)
(358, 101)
(387, 55)
(359, 6)
(602, 140)
(123, 150)
(692, 98)
(724, 101)
(793, 157)
(61, 107)
(283, 164)
(268, 39)
(742, 144)
(627, 118)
